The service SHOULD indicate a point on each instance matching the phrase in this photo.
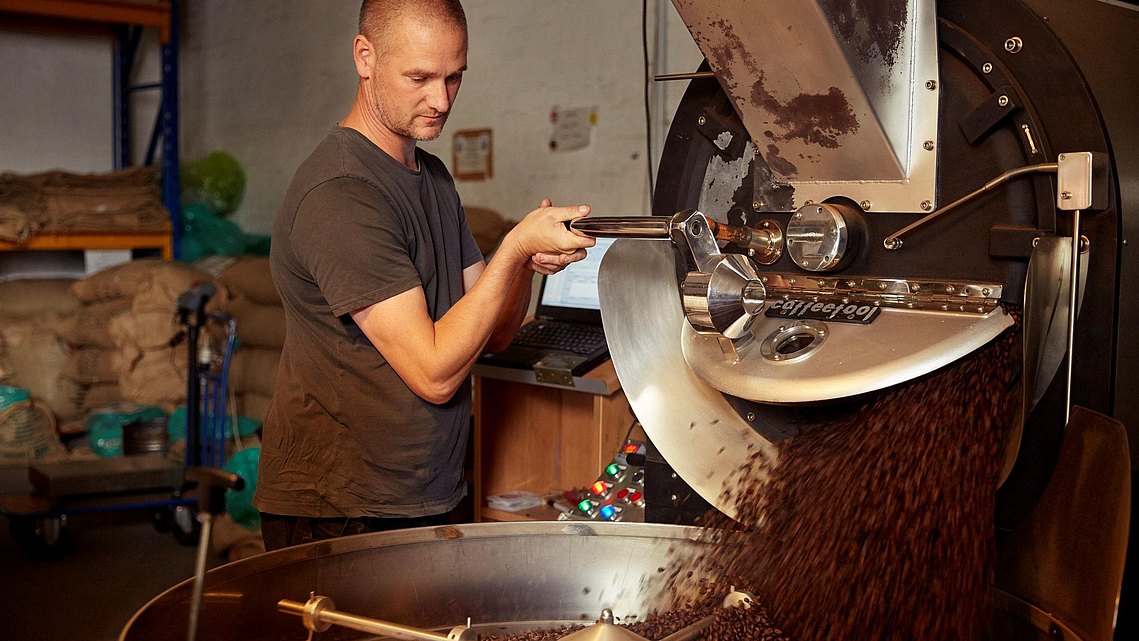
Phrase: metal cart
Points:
(39, 521)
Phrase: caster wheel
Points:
(44, 538)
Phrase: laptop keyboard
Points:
(579, 339)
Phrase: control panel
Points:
(619, 493)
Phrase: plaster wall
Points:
(265, 79)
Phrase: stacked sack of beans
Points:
(256, 307)
(153, 359)
(33, 364)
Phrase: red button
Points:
(636, 497)
(622, 494)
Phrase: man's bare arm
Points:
(434, 358)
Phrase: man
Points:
(387, 299)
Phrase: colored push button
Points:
(586, 507)
(608, 512)
(637, 498)
(600, 488)
(623, 495)
(615, 471)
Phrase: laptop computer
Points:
(565, 339)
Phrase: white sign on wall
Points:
(571, 127)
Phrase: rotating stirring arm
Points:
(319, 613)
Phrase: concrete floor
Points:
(119, 563)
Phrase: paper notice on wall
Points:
(472, 154)
(571, 127)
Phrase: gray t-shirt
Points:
(344, 435)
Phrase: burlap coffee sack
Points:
(127, 217)
(253, 405)
(22, 199)
(101, 395)
(90, 325)
(120, 281)
(142, 176)
(28, 297)
(132, 177)
(15, 225)
(28, 433)
(59, 201)
(249, 277)
(487, 226)
(257, 324)
(166, 282)
(133, 333)
(37, 358)
(93, 365)
(254, 369)
(6, 370)
(156, 377)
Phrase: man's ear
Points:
(364, 55)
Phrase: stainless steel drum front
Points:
(505, 576)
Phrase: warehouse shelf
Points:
(143, 13)
(125, 21)
(159, 240)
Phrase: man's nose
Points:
(438, 98)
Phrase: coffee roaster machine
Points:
(852, 195)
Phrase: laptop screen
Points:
(571, 294)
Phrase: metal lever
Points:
(648, 227)
(319, 614)
(1081, 185)
(894, 240)
(764, 244)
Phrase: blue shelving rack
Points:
(127, 20)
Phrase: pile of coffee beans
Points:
(876, 522)
(735, 623)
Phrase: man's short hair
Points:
(376, 15)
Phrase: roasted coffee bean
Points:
(876, 522)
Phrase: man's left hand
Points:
(553, 263)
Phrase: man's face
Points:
(416, 78)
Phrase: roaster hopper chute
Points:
(788, 266)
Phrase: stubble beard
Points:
(406, 127)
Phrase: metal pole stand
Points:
(212, 485)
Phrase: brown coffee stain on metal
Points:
(814, 118)
(818, 119)
(723, 55)
(448, 532)
(778, 163)
(873, 27)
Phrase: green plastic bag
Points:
(11, 395)
(204, 233)
(239, 504)
(216, 180)
(246, 426)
